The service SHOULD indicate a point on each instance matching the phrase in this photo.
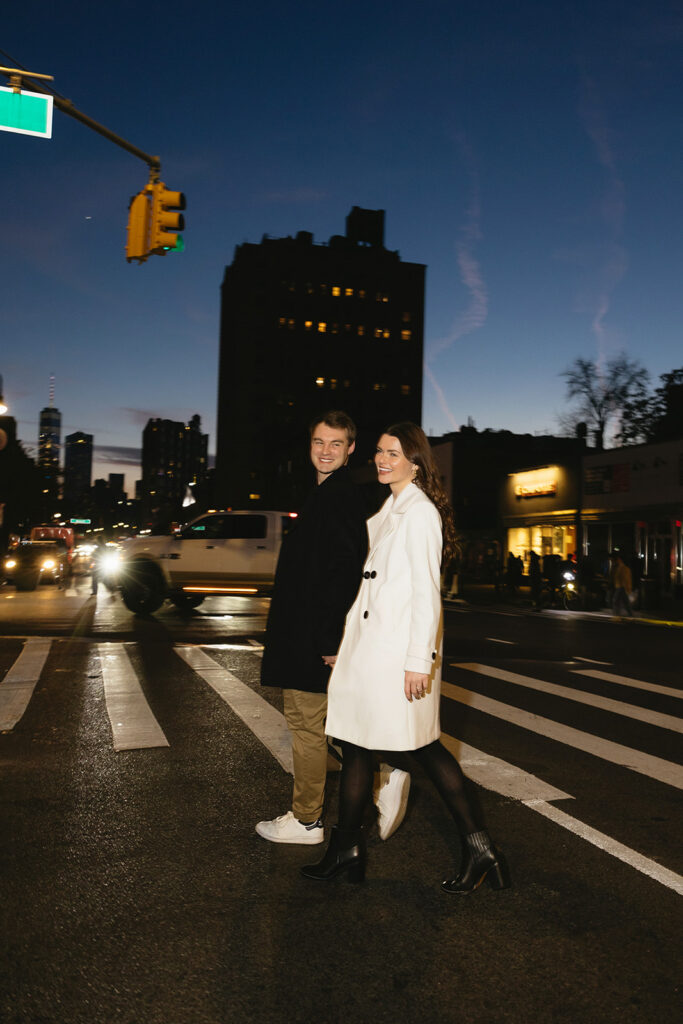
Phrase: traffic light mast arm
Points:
(67, 107)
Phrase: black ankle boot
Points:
(481, 861)
(345, 853)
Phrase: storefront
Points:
(633, 502)
(539, 511)
(629, 499)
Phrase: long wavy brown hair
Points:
(417, 450)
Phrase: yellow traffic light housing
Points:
(139, 218)
(167, 220)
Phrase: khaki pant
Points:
(305, 715)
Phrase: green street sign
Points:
(26, 113)
(80, 522)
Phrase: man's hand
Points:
(329, 659)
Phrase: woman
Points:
(385, 686)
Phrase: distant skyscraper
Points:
(306, 328)
(174, 456)
(77, 467)
(49, 443)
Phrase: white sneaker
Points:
(391, 797)
(288, 829)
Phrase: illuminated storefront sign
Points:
(536, 483)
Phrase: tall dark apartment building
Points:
(174, 456)
(77, 467)
(305, 328)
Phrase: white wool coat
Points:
(394, 626)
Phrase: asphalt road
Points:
(134, 888)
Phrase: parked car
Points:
(36, 561)
(217, 553)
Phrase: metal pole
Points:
(67, 107)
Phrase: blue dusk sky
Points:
(529, 153)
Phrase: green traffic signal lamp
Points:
(167, 220)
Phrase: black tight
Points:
(355, 789)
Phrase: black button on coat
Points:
(316, 581)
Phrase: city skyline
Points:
(527, 154)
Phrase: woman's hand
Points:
(416, 685)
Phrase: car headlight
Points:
(570, 586)
(49, 563)
(110, 564)
(10, 564)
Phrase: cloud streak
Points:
(612, 211)
(470, 272)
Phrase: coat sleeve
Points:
(345, 549)
(423, 546)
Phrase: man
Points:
(622, 585)
(316, 581)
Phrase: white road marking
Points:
(637, 684)
(654, 767)
(133, 725)
(592, 661)
(593, 700)
(500, 776)
(257, 647)
(495, 640)
(18, 685)
(624, 853)
(516, 784)
(265, 721)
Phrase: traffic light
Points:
(137, 241)
(167, 221)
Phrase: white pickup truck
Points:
(219, 553)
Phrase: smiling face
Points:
(330, 449)
(393, 467)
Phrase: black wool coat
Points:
(318, 575)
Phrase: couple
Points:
(384, 690)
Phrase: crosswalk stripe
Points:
(593, 700)
(637, 684)
(262, 718)
(18, 685)
(654, 767)
(512, 782)
(133, 725)
(612, 846)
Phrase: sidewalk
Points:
(669, 613)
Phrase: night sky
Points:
(528, 153)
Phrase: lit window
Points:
(378, 332)
(254, 497)
(405, 389)
(347, 327)
(361, 293)
(379, 387)
(333, 383)
(386, 333)
(336, 290)
(361, 330)
(283, 321)
(292, 288)
(320, 382)
(406, 335)
(323, 289)
(335, 328)
(322, 327)
(291, 324)
(309, 288)
(348, 292)
(382, 297)
(308, 325)
(406, 318)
